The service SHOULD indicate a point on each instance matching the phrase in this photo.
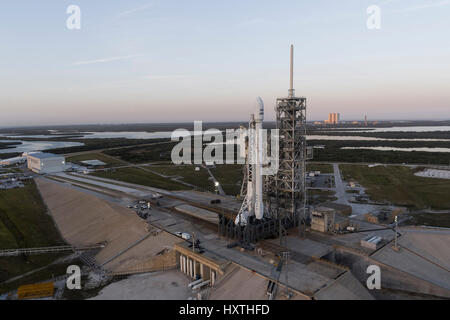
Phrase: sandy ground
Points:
(139, 257)
(167, 285)
(84, 219)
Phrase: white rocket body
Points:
(253, 205)
(258, 178)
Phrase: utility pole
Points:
(396, 233)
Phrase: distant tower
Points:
(365, 119)
(285, 197)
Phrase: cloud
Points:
(141, 8)
(103, 60)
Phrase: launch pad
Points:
(283, 198)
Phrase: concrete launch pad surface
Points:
(167, 285)
(346, 287)
(204, 198)
(199, 213)
(424, 254)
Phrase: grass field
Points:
(24, 223)
(323, 168)
(197, 178)
(230, 177)
(31, 263)
(400, 186)
(431, 219)
(139, 176)
(109, 160)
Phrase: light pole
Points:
(396, 233)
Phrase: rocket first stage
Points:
(253, 203)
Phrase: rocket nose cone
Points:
(259, 108)
(259, 103)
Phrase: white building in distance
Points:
(45, 162)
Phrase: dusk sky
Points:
(176, 61)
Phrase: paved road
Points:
(340, 188)
(219, 187)
(134, 192)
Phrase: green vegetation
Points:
(110, 161)
(333, 152)
(142, 177)
(7, 145)
(24, 223)
(9, 155)
(100, 144)
(142, 154)
(399, 185)
(230, 177)
(23, 215)
(434, 219)
(199, 178)
(323, 168)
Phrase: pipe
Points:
(198, 286)
(193, 283)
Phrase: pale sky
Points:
(176, 60)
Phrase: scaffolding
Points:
(286, 194)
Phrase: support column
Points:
(188, 266)
(195, 269)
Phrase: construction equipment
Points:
(34, 291)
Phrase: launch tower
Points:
(286, 194)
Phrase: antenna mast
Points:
(291, 87)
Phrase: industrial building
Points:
(333, 118)
(327, 220)
(45, 162)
